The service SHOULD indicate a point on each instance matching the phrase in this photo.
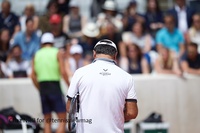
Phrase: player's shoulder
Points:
(84, 69)
(123, 73)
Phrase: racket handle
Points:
(78, 102)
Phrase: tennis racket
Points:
(73, 113)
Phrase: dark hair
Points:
(6, 2)
(138, 49)
(8, 43)
(169, 15)
(142, 26)
(52, 2)
(15, 46)
(105, 49)
(192, 44)
(157, 6)
(29, 19)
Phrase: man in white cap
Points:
(47, 69)
(107, 94)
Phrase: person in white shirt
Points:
(107, 93)
(193, 34)
(16, 66)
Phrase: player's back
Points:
(103, 88)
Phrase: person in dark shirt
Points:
(131, 16)
(60, 38)
(182, 14)
(4, 44)
(8, 19)
(154, 17)
(190, 61)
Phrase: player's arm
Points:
(62, 68)
(131, 110)
(33, 75)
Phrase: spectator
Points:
(60, 38)
(28, 40)
(134, 63)
(110, 14)
(190, 61)
(194, 4)
(2, 66)
(89, 39)
(183, 15)
(75, 61)
(29, 12)
(8, 19)
(166, 63)
(116, 37)
(52, 8)
(194, 31)
(18, 67)
(170, 37)
(154, 17)
(95, 8)
(131, 16)
(4, 44)
(74, 22)
(63, 6)
(139, 37)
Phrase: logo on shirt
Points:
(105, 72)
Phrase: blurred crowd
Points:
(155, 42)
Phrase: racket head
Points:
(72, 114)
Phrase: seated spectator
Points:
(166, 63)
(110, 14)
(17, 67)
(2, 75)
(29, 12)
(60, 38)
(95, 8)
(134, 63)
(8, 19)
(139, 37)
(112, 34)
(194, 31)
(74, 22)
(76, 60)
(90, 33)
(4, 44)
(63, 6)
(28, 40)
(131, 16)
(183, 15)
(170, 37)
(154, 17)
(190, 61)
(52, 8)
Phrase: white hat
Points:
(106, 42)
(76, 49)
(73, 3)
(110, 5)
(91, 30)
(47, 38)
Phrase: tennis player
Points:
(47, 70)
(107, 94)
